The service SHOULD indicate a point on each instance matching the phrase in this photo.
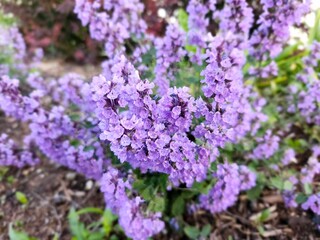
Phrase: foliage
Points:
(180, 123)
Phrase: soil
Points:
(52, 190)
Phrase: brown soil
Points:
(51, 191)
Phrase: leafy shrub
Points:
(183, 122)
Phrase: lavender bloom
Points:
(85, 10)
(150, 135)
(226, 190)
(313, 203)
(197, 23)
(112, 22)
(138, 225)
(18, 44)
(50, 130)
(311, 170)
(212, 5)
(72, 88)
(247, 178)
(13, 48)
(268, 71)
(268, 145)
(11, 155)
(223, 84)
(236, 19)
(273, 31)
(11, 102)
(169, 50)
(308, 74)
(289, 196)
(4, 69)
(289, 156)
(222, 76)
(308, 103)
(36, 81)
(307, 100)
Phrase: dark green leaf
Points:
(157, 204)
(205, 231)
(192, 232)
(301, 198)
(178, 206)
(264, 215)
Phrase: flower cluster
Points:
(231, 179)
(273, 32)
(222, 85)
(12, 155)
(236, 19)
(15, 58)
(197, 24)
(136, 223)
(112, 22)
(150, 135)
(169, 51)
(313, 203)
(267, 146)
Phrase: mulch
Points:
(52, 190)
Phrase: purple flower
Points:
(313, 203)
(169, 50)
(137, 223)
(268, 145)
(289, 156)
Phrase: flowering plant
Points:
(187, 112)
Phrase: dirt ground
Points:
(52, 190)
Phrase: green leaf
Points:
(147, 193)
(191, 232)
(88, 148)
(255, 192)
(107, 221)
(287, 52)
(277, 182)
(261, 230)
(287, 185)
(178, 206)
(307, 188)
(90, 210)
(56, 236)
(157, 204)
(191, 48)
(201, 187)
(205, 231)
(75, 117)
(183, 19)
(21, 197)
(77, 228)
(15, 235)
(265, 214)
(75, 142)
(314, 33)
(96, 236)
(301, 198)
